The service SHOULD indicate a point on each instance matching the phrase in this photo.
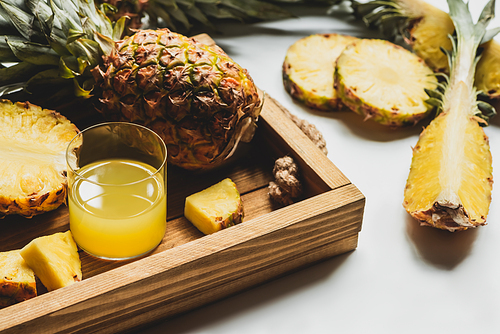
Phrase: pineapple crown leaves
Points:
(68, 35)
(390, 17)
(180, 15)
(472, 35)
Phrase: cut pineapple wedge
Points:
(33, 143)
(384, 82)
(215, 208)
(450, 181)
(309, 66)
(17, 280)
(54, 259)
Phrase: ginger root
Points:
(286, 185)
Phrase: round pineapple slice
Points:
(33, 144)
(309, 66)
(384, 82)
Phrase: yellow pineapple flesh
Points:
(54, 259)
(33, 144)
(215, 208)
(309, 66)
(384, 82)
(17, 280)
(450, 181)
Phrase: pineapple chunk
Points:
(54, 259)
(308, 69)
(33, 144)
(17, 280)
(384, 82)
(215, 208)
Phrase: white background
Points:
(402, 278)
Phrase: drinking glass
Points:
(117, 190)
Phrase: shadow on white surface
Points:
(368, 129)
(223, 310)
(442, 249)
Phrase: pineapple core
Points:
(17, 280)
(54, 259)
(215, 208)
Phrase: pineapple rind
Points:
(215, 208)
(429, 32)
(17, 280)
(54, 259)
(487, 76)
(193, 95)
(32, 158)
(308, 69)
(369, 80)
(421, 195)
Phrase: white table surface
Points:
(402, 278)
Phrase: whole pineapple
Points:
(194, 95)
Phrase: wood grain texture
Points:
(188, 269)
(195, 273)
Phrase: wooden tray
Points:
(188, 269)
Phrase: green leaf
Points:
(45, 78)
(70, 67)
(80, 90)
(20, 19)
(119, 28)
(86, 49)
(178, 15)
(490, 34)
(18, 73)
(198, 15)
(106, 44)
(6, 54)
(34, 53)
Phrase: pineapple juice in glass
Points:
(117, 190)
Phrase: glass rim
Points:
(157, 170)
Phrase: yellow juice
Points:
(118, 210)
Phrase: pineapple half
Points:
(309, 67)
(54, 259)
(33, 144)
(17, 280)
(215, 208)
(384, 82)
(450, 180)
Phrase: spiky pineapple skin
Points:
(319, 98)
(350, 97)
(17, 281)
(193, 95)
(18, 117)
